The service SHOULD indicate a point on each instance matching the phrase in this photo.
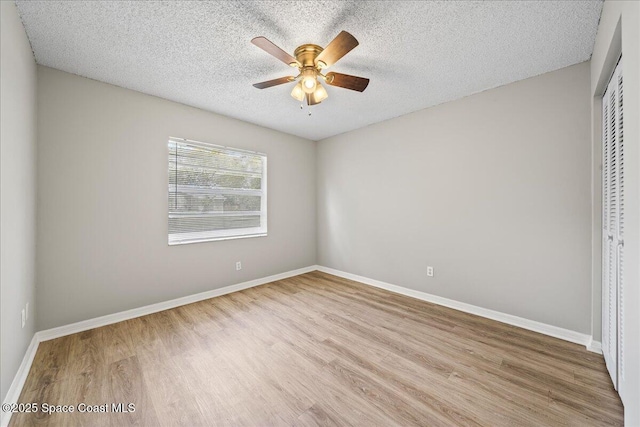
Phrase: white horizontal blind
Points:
(215, 192)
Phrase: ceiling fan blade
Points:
(274, 82)
(346, 81)
(274, 50)
(339, 47)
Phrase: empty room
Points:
(320, 213)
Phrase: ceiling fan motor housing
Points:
(306, 54)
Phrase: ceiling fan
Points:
(310, 60)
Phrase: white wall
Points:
(492, 190)
(619, 33)
(102, 213)
(17, 190)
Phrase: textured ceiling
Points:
(417, 54)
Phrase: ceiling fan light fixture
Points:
(309, 84)
(297, 92)
(320, 94)
(309, 81)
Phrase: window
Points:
(215, 192)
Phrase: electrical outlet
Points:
(26, 309)
(24, 318)
(238, 266)
(430, 271)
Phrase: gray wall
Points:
(619, 33)
(102, 213)
(17, 190)
(492, 190)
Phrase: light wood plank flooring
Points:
(319, 350)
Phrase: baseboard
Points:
(594, 346)
(543, 328)
(96, 322)
(18, 381)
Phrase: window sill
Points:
(214, 239)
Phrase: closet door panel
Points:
(613, 225)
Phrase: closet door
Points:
(613, 225)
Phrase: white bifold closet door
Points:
(613, 226)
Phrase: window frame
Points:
(222, 234)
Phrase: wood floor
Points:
(319, 350)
